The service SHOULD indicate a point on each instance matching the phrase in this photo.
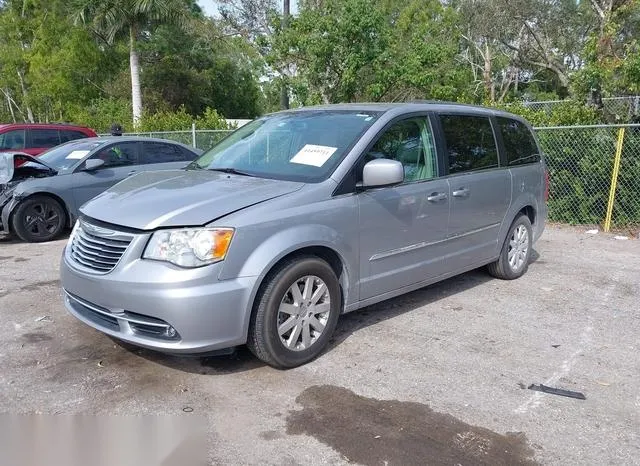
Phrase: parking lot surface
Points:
(438, 376)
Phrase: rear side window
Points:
(470, 143)
(157, 152)
(44, 137)
(67, 135)
(13, 140)
(518, 141)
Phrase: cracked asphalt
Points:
(438, 376)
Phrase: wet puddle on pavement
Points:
(379, 432)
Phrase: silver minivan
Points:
(303, 215)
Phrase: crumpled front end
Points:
(7, 204)
(11, 177)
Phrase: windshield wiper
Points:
(233, 171)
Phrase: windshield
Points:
(67, 155)
(295, 146)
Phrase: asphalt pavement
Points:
(438, 376)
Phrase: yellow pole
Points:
(614, 179)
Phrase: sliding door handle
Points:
(436, 197)
(462, 192)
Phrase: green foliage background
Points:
(57, 65)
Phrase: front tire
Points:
(295, 313)
(516, 251)
(38, 219)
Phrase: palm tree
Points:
(112, 19)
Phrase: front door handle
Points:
(436, 197)
(462, 192)
(132, 172)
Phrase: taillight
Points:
(546, 185)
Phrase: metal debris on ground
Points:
(44, 319)
(557, 391)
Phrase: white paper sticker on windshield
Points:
(77, 154)
(313, 155)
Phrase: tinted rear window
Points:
(157, 152)
(518, 141)
(470, 143)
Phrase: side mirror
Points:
(382, 172)
(93, 164)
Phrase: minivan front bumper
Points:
(140, 301)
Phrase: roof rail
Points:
(442, 102)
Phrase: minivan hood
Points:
(175, 198)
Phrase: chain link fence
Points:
(595, 175)
(581, 161)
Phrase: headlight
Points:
(189, 247)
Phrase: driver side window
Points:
(411, 143)
(118, 155)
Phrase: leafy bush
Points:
(101, 114)
(211, 119)
(566, 113)
(180, 120)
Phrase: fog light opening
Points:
(170, 332)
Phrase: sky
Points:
(210, 7)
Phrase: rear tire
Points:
(38, 219)
(295, 313)
(516, 251)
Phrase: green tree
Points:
(336, 45)
(199, 69)
(46, 63)
(112, 19)
(345, 50)
(611, 54)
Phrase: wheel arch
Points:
(525, 205)
(529, 211)
(327, 252)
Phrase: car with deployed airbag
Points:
(301, 216)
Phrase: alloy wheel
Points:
(41, 219)
(303, 313)
(518, 248)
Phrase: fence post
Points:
(193, 134)
(614, 179)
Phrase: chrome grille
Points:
(96, 248)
